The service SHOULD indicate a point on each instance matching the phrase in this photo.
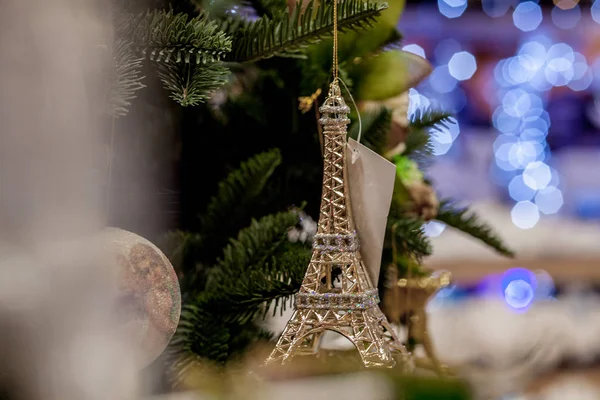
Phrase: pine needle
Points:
(468, 222)
(375, 129)
(285, 34)
(422, 124)
(410, 238)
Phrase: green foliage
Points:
(127, 77)
(192, 253)
(422, 124)
(429, 118)
(271, 281)
(431, 388)
(252, 247)
(239, 189)
(468, 222)
(189, 51)
(200, 334)
(191, 85)
(375, 128)
(409, 237)
(285, 34)
(167, 37)
(268, 7)
(258, 269)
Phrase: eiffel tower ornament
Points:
(349, 304)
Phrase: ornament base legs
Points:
(368, 330)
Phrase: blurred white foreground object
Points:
(58, 338)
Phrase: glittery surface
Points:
(150, 288)
(344, 301)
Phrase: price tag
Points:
(371, 182)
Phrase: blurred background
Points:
(523, 80)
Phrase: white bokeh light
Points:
(415, 49)
(518, 294)
(462, 65)
(452, 8)
(519, 191)
(549, 200)
(434, 228)
(537, 175)
(595, 11)
(527, 16)
(525, 214)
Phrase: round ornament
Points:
(150, 298)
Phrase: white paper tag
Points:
(371, 182)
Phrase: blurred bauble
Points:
(150, 298)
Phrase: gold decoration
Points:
(408, 298)
(337, 293)
(151, 299)
(350, 306)
(306, 102)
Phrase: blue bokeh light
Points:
(549, 200)
(518, 287)
(545, 288)
(566, 19)
(495, 8)
(434, 228)
(462, 65)
(537, 175)
(519, 294)
(415, 49)
(416, 101)
(452, 8)
(441, 81)
(519, 191)
(525, 215)
(595, 11)
(442, 138)
(527, 16)
(445, 50)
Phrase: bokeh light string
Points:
(521, 150)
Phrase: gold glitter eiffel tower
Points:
(347, 304)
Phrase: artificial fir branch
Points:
(284, 34)
(429, 118)
(167, 37)
(192, 253)
(191, 85)
(422, 124)
(236, 193)
(252, 247)
(201, 339)
(268, 8)
(468, 222)
(258, 268)
(270, 283)
(127, 77)
(410, 238)
(375, 129)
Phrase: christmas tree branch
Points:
(375, 129)
(167, 37)
(409, 237)
(422, 123)
(235, 195)
(127, 77)
(468, 222)
(191, 85)
(285, 34)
